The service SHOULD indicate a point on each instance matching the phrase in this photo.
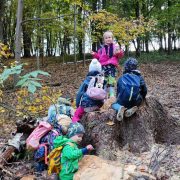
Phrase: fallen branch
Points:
(7, 171)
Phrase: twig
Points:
(156, 161)
(6, 171)
(5, 161)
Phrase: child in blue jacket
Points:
(83, 102)
(131, 90)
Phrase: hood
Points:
(136, 72)
(60, 141)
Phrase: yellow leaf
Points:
(110, 123)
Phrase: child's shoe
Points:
(120, 114)
(130, 111)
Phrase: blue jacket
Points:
(142, 91)
(82, 99)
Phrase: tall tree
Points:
(2, 12)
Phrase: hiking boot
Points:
(130, 111)
(120, 114)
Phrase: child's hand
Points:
(92, 53)
(89, 147)
(116, 51)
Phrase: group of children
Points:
(98, 86)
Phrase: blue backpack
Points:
(129, 85)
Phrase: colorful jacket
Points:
(70, 156)
(105, 55)
(82, 99)
(142, 91)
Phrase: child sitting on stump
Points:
(131, 90)
(85, 102)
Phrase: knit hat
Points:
(95, 66)
(74, 129)
(130, 64)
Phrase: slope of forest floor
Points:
(163, 82)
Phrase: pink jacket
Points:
(104, 58)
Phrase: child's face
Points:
(77, 138)
(108, 39)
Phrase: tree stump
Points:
(26, 127)
(150, 124)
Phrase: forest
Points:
(46, 48)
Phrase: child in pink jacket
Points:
(109, 56)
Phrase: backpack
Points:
(95, 88)
(129, 87)
(58, 109)
(54, 165)
(32, 141)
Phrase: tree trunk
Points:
(138, 49)
(147, 42)
(174, 41)
(137, 11)
(160, 43)
(47, 44)
(151, 124)
(104, 4)
(94, 8)
(27, 44)
(2, 11)
(165, 43)
(80, 24)
(169, 31)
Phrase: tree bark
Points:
(137, 11)
(169, 31)
(2, 11)
(104, 4)
(151, 124)
(80, 24)
(26, 42)
(165, 43)
(160, 43)
(94, 8)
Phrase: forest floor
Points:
(163, 82)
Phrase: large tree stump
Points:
(151, 124)
(95, 168)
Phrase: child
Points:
(83, 102)
(131, 90)
(59, 117)
(63, 106)
(71, 154)
(109, 56)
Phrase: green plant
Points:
(29, 80)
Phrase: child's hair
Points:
(130, 64)
(106, 33)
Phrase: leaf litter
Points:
(163, 82)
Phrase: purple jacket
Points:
(103, 55)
